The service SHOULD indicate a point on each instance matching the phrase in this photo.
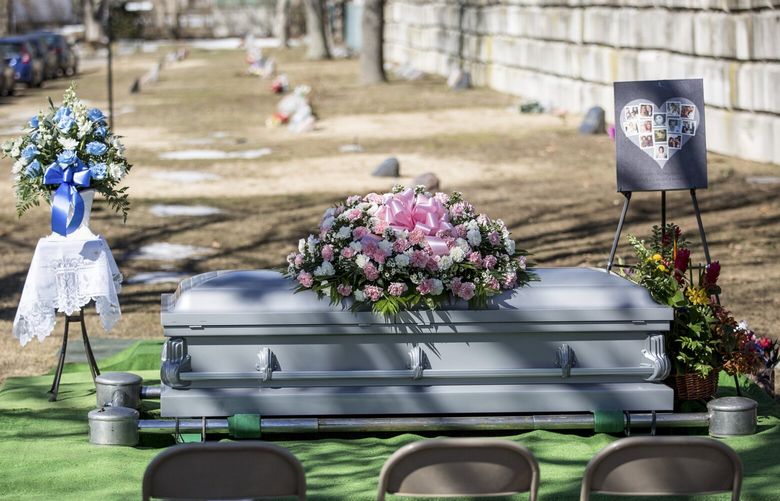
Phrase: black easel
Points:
(622, 220)
(93, 367)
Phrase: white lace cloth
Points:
(65, 274)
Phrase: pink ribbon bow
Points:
(405, 211)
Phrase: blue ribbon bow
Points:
(70, 178)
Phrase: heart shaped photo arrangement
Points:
(660, 130)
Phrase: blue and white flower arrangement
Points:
(65, 150)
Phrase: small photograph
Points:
(646, 141)
(688, 127)
(660, 153)
(659, 135)
(631, 112)
(634, 111)
(673, 108)
(659, 119)
(631, 129)
(674, 125)
(646, 126)
(687, 111)
(646, 110)
(675, 141)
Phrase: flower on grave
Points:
(407, 248)
(69, 136)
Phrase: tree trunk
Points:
(93, 13)
(282, 22)
(372, 60)
(315, 30)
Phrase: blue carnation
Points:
(33, 169)
(101, 132)
(34, 122)
(96, 148)
(29, 152)
(96, 115)
(67, 158)
(61, 112)
(98, 170)
(65, 123)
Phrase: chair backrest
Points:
(224, 470)
(460, 467)
(647, 466)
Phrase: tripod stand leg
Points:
(701, 227)
(619, 230)
(93, 366)
(55, 385)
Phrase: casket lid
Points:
(264, 297)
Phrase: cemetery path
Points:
(553, 187)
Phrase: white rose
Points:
(445, 262)
(438, 287)
(361, 260)
(402, 260)
(359, 296)
(344, 233)
(457, 254)
(474, 237)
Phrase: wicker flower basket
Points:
(693, 386)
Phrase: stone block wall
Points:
(567, 53)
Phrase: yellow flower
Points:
(663, 268)
(657, 257)
(697, 295)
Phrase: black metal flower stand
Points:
(93, 367)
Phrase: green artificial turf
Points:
(45, 452)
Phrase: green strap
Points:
(244, 426)
(608, 421)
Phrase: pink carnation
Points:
(348, 252)
(353, 199)
(400, 245)
(419, 259)
(298, 260)
(492, 283)
(466, 290)
(353, 214)
(344, 289)
(475, 258)
(374, 198)
(305, 279)
(425, 287)
(327, 252)
(380, 227)
(490, 262)
(370, 271)
(510, 280)
(442, 198)
(416, 236)
(494, 238)
(372, 292)
(455, 286)
(397, 288)
(359, 232)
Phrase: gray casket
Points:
(577, 340)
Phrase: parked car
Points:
(20, 56)
(67, 60)
(41, 50)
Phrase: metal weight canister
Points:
(126, 384)
(113, 426)
(730, 416)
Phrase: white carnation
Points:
(15, 152)
(116, 171)
(437, 287)
(327, 222)
(457, 254)
(386, 246)
(301, 246)
(361, 260)
(472, 225)
(324, 269)
(344, 233)
(509, 244)
(464, 246)
(359, 296)
(329, 212)
(402, 260)
(356, 246)
(445, 262)
(68, 143)
(474, 237)
(17, 168)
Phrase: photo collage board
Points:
(660, 138)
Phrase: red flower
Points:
(681, 263)
(711, 274)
